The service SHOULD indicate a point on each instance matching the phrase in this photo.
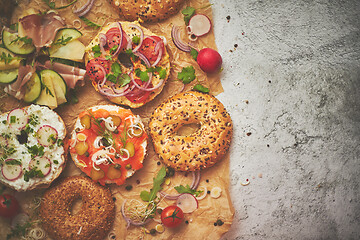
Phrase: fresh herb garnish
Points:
(188, 12)
(90, 23)
(13, 162)
(113, 49)
(52, 4)
(148, 196)
(131, 54)
(187, 189)
(32, 173)
(62, 41)
(19, 230)
(47, 90)
(25, 39)
(96, 50)
(143, 75)
(187, 75)
(8, 58)
(35, 150)
(136, 39)
(201, 88)
(194, 53)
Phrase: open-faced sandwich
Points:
(127, 63)
(108, 143)
(31, 147)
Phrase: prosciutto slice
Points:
(70, 74)
(42, 28)
(17, 89)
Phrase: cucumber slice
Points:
(57, 83)
(17, 47)
(32, 88)
(9, 75)
(74, 50)
(5, 62)
(47, 96)
(63, 37)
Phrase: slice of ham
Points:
(70, 74)
(42, 28)
(17, 89)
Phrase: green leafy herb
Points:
(187, 75)
(25, 39)
(35, 150)
(52, 4)
(187, 189)
(19, 230)
(201, 88)
(113, 49)
(194, 53)
(12, 119)
(131, 54)
(8, 58)
(62, 41)
(47, 90)
(96, 50)
(162, 73)
(32, 173)
(13, 162)
(90, 23)
(188, 12)
(136, 39)
(148, 196)
(143, 75)
(56, 161)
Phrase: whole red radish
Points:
(209, 60)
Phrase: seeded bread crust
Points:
(41, 183)
(147, 11)
(164, 63)
(94, 219)
(201, 149)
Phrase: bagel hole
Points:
(188, 129)
(76, 206)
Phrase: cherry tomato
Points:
(113, 38)
(9, 206)
(148, 48)
(172, 216)
(94, 71)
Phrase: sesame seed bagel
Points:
(201, 149)
(148, 11)
(94, 219)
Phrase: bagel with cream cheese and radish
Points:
(31, 147)
(127, 63)
(108, 143)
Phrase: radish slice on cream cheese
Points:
(11, 169)
(17, 119)
(199, 25)
(187, 202)
(47, 135)
(41, 163)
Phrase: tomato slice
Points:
(93, 70)
(113, 38)
(148, 48)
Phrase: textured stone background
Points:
(292, 87)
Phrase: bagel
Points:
(116, 143)
(116, 74)
(147, 11)
(92, 221)
(31, 147)
(201, 149)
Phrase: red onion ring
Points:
(128, 220)
(141, 36)
(175, 35)
(194, 185)
(129, 42)
(159, 50)
(148, 83)
(85, 8)
(143, 57)
(102, 42)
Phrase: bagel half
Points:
(128, 51)
(32, 147)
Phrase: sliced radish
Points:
(187, 202)
(17, 119)
(199, 25)
(47, 135)
(11, 172)
(41, 163)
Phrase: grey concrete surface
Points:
(292, 86)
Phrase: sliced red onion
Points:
(159, 51)
(145, 86)
(175, 35)
(129, 42)
(102, 42)
(141, 36)
(121, 39)
(169, 196)
(128, 220)
(85, 8)
(143, 57)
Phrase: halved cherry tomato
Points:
(172, 216)
(93, 70)
(113, 38)
(9, 206)
(148, 48)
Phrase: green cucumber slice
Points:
(47, 96)
(16, 46)
(9, 75)
(57, 82)
(32, 88)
